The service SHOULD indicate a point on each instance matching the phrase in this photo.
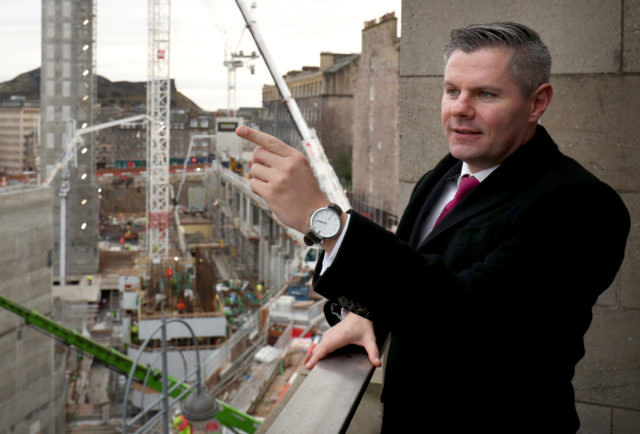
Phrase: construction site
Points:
(147, 289)
(246, 330)
(146, 284)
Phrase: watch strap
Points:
(336, 208)
(311, 239)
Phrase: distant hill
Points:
(122, 93)
(26, 84)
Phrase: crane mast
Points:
(158, 131)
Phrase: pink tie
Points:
(467, 183)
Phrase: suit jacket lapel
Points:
(425, 193)
(489, 194)
(430, 201)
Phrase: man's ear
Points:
(540, 101)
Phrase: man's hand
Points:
(282, 176)
(353, 329)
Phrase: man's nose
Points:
(462, 107)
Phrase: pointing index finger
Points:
(265, 140)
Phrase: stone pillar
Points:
(593, 117)
(265, 242)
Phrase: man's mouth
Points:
(465, 131)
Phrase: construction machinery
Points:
(159, 131)
(323, 170)
(69, 156)
(120, 363)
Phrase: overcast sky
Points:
(295, 31)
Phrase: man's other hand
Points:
(353, 329)
(282, 176)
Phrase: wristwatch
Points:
(325, 223)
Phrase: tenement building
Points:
(125, 146)
(375, 122)
(18, 121)
(325, 97)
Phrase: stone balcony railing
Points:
(341, 394)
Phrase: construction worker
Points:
(181, 424)
(213, 427)
(134, 332)
(181, 306)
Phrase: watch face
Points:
(326, 223)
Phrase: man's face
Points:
(484, 115)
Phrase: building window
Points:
(50, 54)
(50, 140)
(51, 87)
(66, 9)
(51, 28)
(255, 211)
(66, 88)
(51, 8)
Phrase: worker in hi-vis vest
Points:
(181, 424)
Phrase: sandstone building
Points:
(18, 120)
(375, 122)
(325, 97)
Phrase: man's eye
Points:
(452, 92)
(485, 94)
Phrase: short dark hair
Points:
(530, 61)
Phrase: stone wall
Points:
(30, 392)
(596, 61)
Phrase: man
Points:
(504, 247)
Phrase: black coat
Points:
(487, 315)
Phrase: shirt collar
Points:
(480, 176)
